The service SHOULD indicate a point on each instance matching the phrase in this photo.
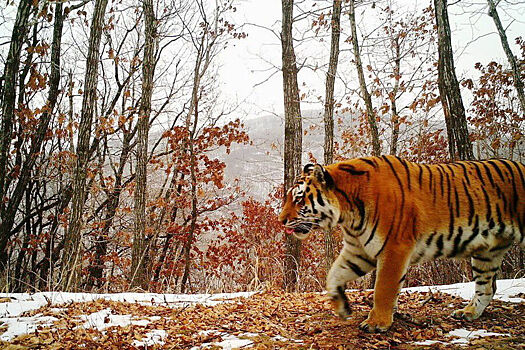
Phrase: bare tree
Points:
(365, 94)
(460, 146)
(292, 133)
(139, 257)
(394, 94)
(8, 101)
(71, 258)
(206, 44)
(516, 73)
(329, 112)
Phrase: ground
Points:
(266, 320)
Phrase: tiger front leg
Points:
(391, 270)
(348, 266)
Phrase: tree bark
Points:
(370, 113)
(72, 254)
(292, 135)
(516, 74)
(20, 278)
(460, 146)
(139, 260)
(38, 138)
(193, 223)
(329, 113)
(96, 270)
(393, 97)
(201, 64)
(8, 100)
(173, 216)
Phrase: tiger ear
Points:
(323, 176)
(319, 173)
(308, 168)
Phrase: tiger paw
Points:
(340, 304)
(344, 314)
(468, 313)
(341, 309)
(373, 325)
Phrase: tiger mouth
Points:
(300, 231)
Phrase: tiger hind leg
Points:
(348, 266)
(484, 270)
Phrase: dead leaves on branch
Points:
(276, 320)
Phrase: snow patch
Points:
(506, 290)
(155, 337)
(283, 339)
(463, 336)
(233, 342)
(22, 302)
(24, 325)
(228, 342)
(103, 319)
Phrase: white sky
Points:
(474, 40)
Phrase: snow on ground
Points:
(228, 341)
(506, 290)
(23, 302)
(17, 303)
(154, 337)
(103, 319)
(24, 325)
(463, 337)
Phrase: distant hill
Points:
(260, 166)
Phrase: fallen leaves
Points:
(275, 320)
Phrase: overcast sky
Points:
(473, 35)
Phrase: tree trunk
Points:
(72, 255)
(173, 217)
(52, 252)
(139, 259)
(193, 224)
(292, 135)
(20, 283)
(8, 98)
(191, 127)
(96, 270)
(393, 97)
(38, 138)
(460, 146)
(329, 114)
(516, 74)
(376, 146)
(374, 134)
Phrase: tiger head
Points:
(310, 203)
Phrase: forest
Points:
(113, 145)
(117, 132)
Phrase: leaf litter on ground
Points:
(270, 320)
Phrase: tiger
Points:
(394, 213)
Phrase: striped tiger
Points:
(395, 213)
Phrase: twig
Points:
(430, 298)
